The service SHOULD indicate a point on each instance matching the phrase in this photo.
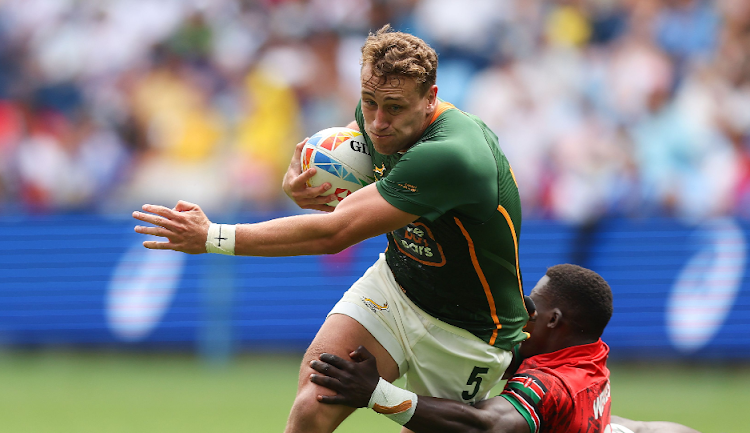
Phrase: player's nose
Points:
(381, 121)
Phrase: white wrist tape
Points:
(395, 403)
(220, 239)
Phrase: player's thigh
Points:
(448, 363)
(340, 335)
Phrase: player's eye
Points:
(369, 102)
(396, 108)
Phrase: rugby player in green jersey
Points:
(444, 304)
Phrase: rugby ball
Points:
(342, 159)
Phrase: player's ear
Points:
(555, 318)
(432, 96)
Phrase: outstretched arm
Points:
(362, 215)
(355, 382)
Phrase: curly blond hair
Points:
(390, 53)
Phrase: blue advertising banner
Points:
(85, 281)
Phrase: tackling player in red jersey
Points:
(561, 384)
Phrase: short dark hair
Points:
(392, 53)
(584, 295)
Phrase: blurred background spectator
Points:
(604, 107)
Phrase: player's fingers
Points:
(298, 148)
(306, 175)
(316, 195)
(361, 354)
(325, 368)
(154, 245)
(332, 399)
(153, 231)
(295, 164)
(334, 360)
(307, 201)
(318, 192)
(320, 200)
(184, 206)
(160, 210)
(299, 191)
(153, 219)
(326, 382)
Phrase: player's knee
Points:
(310, 415)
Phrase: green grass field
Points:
(112, 393)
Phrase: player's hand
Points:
(295, 185)
(185, 227)
(354, 382)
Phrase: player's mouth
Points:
(372, 134)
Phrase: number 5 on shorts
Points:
(475, 380)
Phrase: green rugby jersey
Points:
(459, 260)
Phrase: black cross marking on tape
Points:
(220, 238)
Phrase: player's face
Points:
(537, 327)
(395, 112)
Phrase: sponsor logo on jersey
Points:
(408, 187)
(417, 242)
(601, 402)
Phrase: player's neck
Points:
(566, 340)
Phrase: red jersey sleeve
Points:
(542, 399)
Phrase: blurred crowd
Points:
(604, 107)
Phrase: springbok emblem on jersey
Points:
(374, 306)
(379, 172)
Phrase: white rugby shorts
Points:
(438, 359)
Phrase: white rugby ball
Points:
(342, 159)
